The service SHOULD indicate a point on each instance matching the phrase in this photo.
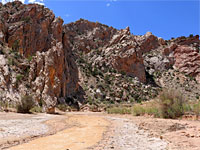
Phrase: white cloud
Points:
(41, 2)
(108, 4)
(6, 1)
(67, 15)
(31, 1)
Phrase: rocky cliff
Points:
(35, 58)
(85, 60)
(117, 49)
(117, 66)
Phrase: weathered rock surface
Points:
(110, 61)
(33, 32)
(104, 58)
(175, 64)
(39, 57)
(187, 60)
(30, 28)
(117, 49)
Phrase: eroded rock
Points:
(42, 58)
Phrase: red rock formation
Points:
(187, 41)
(132, 65)
(187, 61)
(147, 42)
(33, 31)
(118, 47)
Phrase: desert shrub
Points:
(107, 79)
(19, 77)
(119, 110)
(29, 58)
(15, 45)
(36, 109)
(63, 107)
(123, 73)
(191, 35)
(10, 61)
(171, 104)
(27, 103)
(154, 111)
(196, 109)
(26, 19)
(138, 110)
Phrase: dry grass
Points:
(119, 110)
(136, 109)
(63, 107)
(170, 104)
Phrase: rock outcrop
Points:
(117, 49)
(187, 60)
(110, 61)
(175, 64)
(33, 32)
(103, 53)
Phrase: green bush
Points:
(29, 58)
(63, 107)
(171, 104)
(15, 45)
(4, 105)
(138, 110)
(26, 19)
(196, 109)
(153, 111)
(36, 109)
(191, 35)
(19, 77)
(27, 103)
(119, 110)
(10, 61)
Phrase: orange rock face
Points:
(33, 31)
(131, 65)
(33, 28)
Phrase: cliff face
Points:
(35, 34)
(39, 57)
(117, 49)
(108, 57)
(187, 60)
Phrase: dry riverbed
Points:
(96, 131)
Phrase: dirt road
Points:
(87, 132)
(96, 131)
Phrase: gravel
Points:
(21, 127)
(129, 137)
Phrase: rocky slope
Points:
(58, 63)
(116, 66)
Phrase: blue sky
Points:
(164, 18)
